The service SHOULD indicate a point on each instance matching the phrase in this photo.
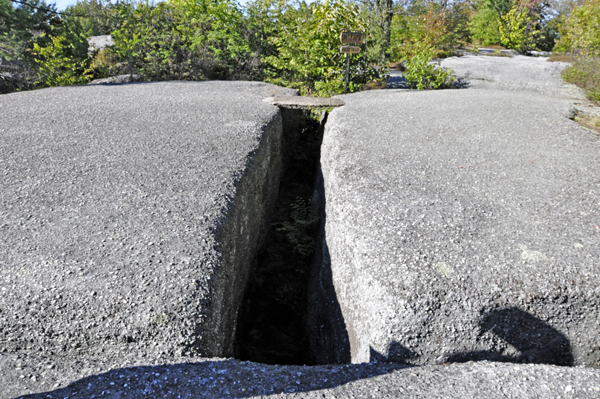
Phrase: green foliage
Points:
(298, 229)
(485, 27)
(181, 40)
(518, 24)
(422, 75)
(308, 49)
(437, 25)
(379, 15)
(214, 25)
(262, 21)
(516, 29)
(20, 26)
(99, 17)
(585, 73)
(547, 36)
(580, 33)
(63, 60)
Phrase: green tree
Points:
(308, 46)
(421, 74)
(20, 26)
(379, 14)
(485, 27)
(182, 39)
(580, 32)
(517, 29)
(99, 17)
(263, 19)
(436, 25)
(60, 62)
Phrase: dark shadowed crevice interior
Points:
(272, 324)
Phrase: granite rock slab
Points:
(460, 225)
(229, 378)
(129, 215)
(518, 73)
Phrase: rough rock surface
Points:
(116, 203)
(129, 215)
(519, 73)
(463, 224)
(299, 102)
(229, 378)
(127, 78)
(100, 42)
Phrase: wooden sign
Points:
(351, 38)
(350, 49)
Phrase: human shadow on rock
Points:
(215, 379)
(537, 340)
(396, 353)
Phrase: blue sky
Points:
(62, 4)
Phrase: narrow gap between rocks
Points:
(272, 323)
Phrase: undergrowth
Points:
(561, 58)
(423, 75)
(585, 73)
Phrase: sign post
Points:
(350, 38)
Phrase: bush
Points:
(99, 17)
(580, 33)
(516, 29)
(308, 49)
(438, 25)
(585, 73)
(62, 58)
(422, 75)
(57, 65)
(20, 26)
(181, 40)
(485, 27)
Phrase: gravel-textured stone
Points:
(129, 215)
(228, 378)
(519, 73)
(127, 78)
(299, 102)
(463, 225)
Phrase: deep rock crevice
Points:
(272, 325)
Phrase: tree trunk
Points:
(385, 11)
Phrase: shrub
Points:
(485, 27)
(62, 58)
(438, 25)
(308, 49)
(516, 29)
(423, 75)
(585, 73)
(181, 40)
(580, 33)
(99, 17)
(19, 27)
